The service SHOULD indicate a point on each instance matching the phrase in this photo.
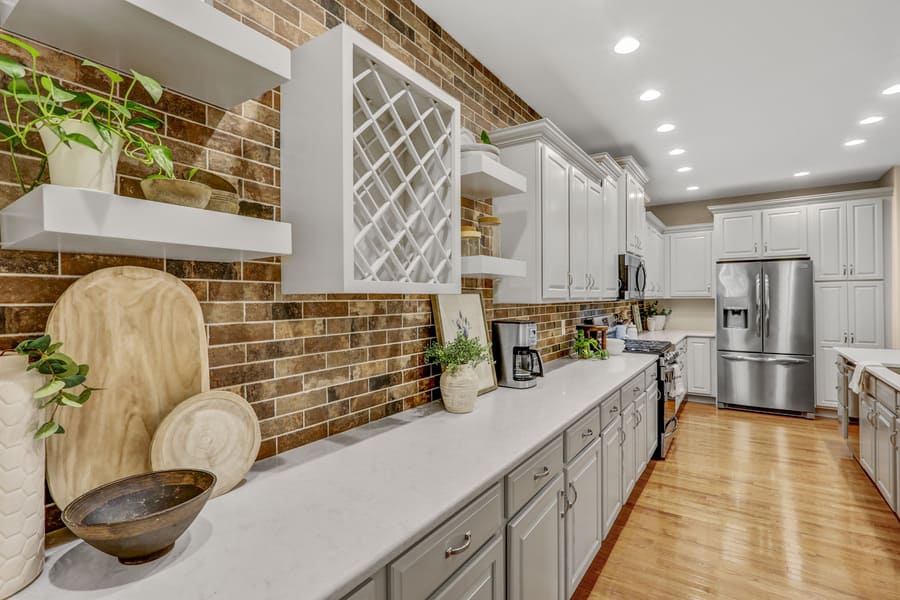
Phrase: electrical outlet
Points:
(562, 327)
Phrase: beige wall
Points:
(697, 314)
(892, 256)
(689, 213)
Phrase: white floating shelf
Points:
(492, 267)
(66, 219)
(484, 177)
(187, 45)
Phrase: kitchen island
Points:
(315, 522)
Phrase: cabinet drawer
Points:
(610, 409)
(650, 376)
(419, 572)
(885, 394)
(527, 479)
(484, 577)
(632, 389)
(582, 433)
(365, 592)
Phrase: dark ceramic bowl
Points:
(138, 518)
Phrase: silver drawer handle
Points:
(614, 409)
(451, 551)
(636, 389)
(570, 505)
(542, 473)
(587, 434)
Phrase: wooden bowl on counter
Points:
(138, 518)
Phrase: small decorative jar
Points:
(471, 241)
(490, 235)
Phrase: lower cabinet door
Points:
(651, 424)
(629, 455)
(867, 434)
(640, 435)
(884, 453)
(611, 488)
(897, 466)
(584, 530)
(483, 577)
(536, 547)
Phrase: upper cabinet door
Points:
(578, 233)
(828, 241)
(631, 214)
(690, 263)
(866, 313)
(738, 235)
(596, 232)
(640, 224)
(784, 232)
(610, 240)
(832, 327)
(866, 240)
(555, 224)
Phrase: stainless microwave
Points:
(632, 277)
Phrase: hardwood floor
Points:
(751, 506)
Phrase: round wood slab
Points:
(215, 431)
(141, 331)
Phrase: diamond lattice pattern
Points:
(402, 166)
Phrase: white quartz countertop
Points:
(311, 522)
(675, 335)
(885, 357)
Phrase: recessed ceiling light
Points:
(801, 173)
(855, 142)
(871, 120)
(676, 151)
(650, 95)
(894, 89)
(692, 188)
(665, 128)
(685, 169)
(626, 45)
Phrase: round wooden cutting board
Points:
(216, 431)
(141, 331)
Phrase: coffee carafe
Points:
(518, 363)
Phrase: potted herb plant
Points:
(458, 359)
(588, 347)
(82, 133)
(184, 192)
(34, 378)
(655, 316)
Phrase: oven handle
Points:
(666, 432)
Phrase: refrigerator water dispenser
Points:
(736, 317)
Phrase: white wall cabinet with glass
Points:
(385, 157)
(556, 226)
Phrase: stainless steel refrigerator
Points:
(765, 335)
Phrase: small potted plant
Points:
(588, 347)
(82, 133)
(34, 378)
(655, 316)
(183, 192)
(458, 359)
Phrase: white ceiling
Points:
(758, 89)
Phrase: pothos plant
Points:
(32, 101)
(588, 347)
(455, 355)
(63, 373)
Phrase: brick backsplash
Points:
(313, 365)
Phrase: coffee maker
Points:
(518, 363)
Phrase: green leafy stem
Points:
(64, 374)
(458, 353)
(32, 101)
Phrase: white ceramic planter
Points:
(459, 390)
(660, 322)
(77, 165)
(21, 477)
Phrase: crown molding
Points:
(632, 166)
(864, 194)
(655, 222)
(689, 228)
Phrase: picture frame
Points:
(454, 313)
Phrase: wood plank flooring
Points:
(751, 506)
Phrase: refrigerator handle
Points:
(768, 306)
(758, 307)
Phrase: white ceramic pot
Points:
(21, 477)
(652, 324)
(660, 322)
(77, 165)
(459, 390)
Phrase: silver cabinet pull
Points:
(451, 551)
(844, 270)
(766, 246)
(755, 247)
(570, 279)
(637, 389)
(845, 337)
(587, 434)
(621, 437)
(542, 473)
(893, 439)
(852, 338)
(614, 409)
(570, 505)
(851, 270)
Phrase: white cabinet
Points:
(700, 367)
(596, 263)
(897, 466)
(629, 449)
(652, 418)
(639, 437)
(536, 548)
(784, 232)
(866, 314)
(555, 223)
(654, 258)
(609, 240)
(885, 469)
(690, 264)
(579, 232)
(738, 235)
(611, 489)
(584, 529)
(483, 578)
(631, 206)
(387, 162)
(867, 433)
(847, 240)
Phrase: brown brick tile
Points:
(240, 332)
(190, 269)
(299, 328)
(38, 290)
(236, 290)
(23, 319)
(348, 422)
(270, 350)
(326, 412)
(302, 401)
(82, 264)
(264, 410)
(297, 365)
(383, 381)
(326, 343)
(274, 388)
(326, 378)
(368, 400)
(233, 354)
(222, 312)
(304, 436)
(326, 309)
(25, 262)
(237, 374)
(346, 390)
(267, 449)
(255, 271)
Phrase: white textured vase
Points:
(661, 322)
(76, 165)
(459, 390)
(21, 477)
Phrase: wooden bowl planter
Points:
(138, 518)
(224, 196)
(177, 191)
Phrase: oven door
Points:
(669, 403)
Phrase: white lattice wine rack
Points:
(370, 172)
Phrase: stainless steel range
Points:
(668, 399)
